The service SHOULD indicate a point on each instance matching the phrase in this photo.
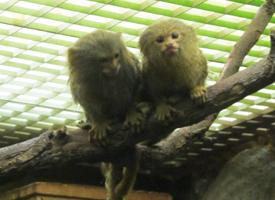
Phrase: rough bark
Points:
(64, 147)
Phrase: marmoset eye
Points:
(116, 55)
(175, 35)
(160, 39)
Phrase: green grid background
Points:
(35, 34)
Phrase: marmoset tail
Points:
(119, 180)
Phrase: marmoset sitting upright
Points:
(104, 79)
(173, 64)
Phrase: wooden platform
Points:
(60, 191)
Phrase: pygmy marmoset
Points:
(104, 78)
(172, 64)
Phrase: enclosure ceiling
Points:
(35, 34)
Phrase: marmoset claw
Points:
(198, 95)
(164, 112)
(134, 121)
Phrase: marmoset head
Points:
(99, 51)
(167, 38)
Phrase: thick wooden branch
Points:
(64, 147)
(57, 148)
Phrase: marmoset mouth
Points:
(171, 50)
(111, 72)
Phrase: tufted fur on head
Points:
(168, 38)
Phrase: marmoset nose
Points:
(169, 45)
(114, 63)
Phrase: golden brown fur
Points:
(172, 63)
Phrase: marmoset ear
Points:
(72, 53)
(73, 50)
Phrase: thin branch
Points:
(235, 59)
(249, 38)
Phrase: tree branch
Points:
(249, 38)
(56, 148)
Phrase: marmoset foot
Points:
(134, 121)
(164, 112)
(98, 132)
(198, 95)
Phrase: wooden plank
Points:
(61, 191)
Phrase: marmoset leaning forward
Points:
(104, 78)
(173, 64)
